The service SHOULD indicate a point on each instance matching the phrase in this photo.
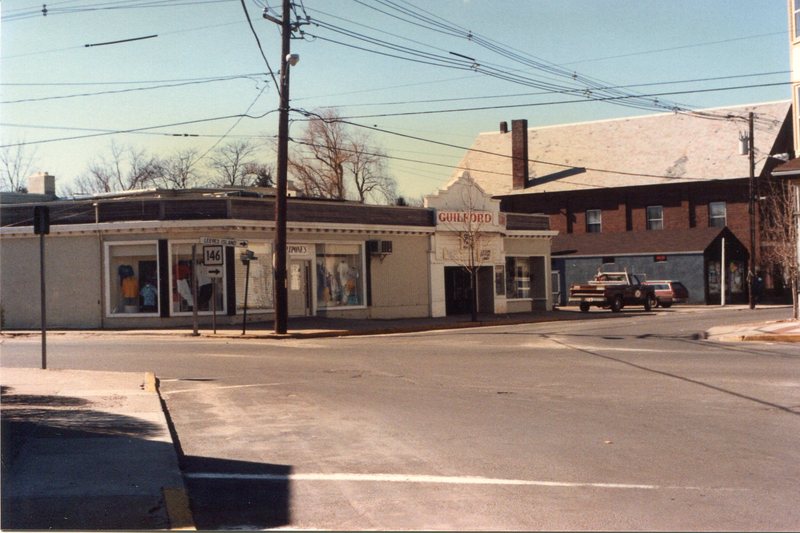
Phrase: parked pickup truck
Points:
(612, 290)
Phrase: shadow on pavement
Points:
(239, 495)
(69, 468)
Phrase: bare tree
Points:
(331, 162)
(370, 179)
(15, 164)
(779, 234)
(178, 170)
(124, 169)
(230, 163)
(319, 167)
(261, 175)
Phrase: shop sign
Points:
(297, 249)
(464, 217)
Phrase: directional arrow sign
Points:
(214, 272)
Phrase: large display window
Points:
(340, 275)
(518, 277)
(260, 295)
(132, 278)
(209, 284)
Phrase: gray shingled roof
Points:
(693, 240)
(674, 147)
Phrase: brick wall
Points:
(625, 209)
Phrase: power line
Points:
(129, 82)
(120, 91)
(134, 130)
(516, 95)
(260, 49)
(577, 101)
(672, 48)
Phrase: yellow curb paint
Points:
(150, 382)
(178, 511)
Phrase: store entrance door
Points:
(299, 288)
(456, 290)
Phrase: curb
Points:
(176, 499)
(769, 338)
(179, 513)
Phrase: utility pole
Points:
(279, 268)
(751, 271)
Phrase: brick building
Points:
(657, 176)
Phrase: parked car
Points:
(612, 290)
(669, 292)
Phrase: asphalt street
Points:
(633, 422)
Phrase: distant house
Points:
(654, 177)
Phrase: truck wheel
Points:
(650, 302)
(584, 307)
(616, 304)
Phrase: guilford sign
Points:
(461, 220)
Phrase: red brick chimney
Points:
(519, 153)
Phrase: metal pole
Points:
(752, 212)
(214, 305)
(279, 266)
(723, 280)
(246, 288)
(44, 307)
(194, 290)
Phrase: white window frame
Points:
(651, 221)
(107, 277)
(362, 284)
(210, 312)
(724, 216)
(598, 223)
(795, 20)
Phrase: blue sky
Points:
(640, 45)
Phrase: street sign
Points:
(220, 242)
(213, 255)
(214, 272)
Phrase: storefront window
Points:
(340, 280)
(518, 277)
(208, 282)
(259, 286)
(132, 278)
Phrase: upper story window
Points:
(717, 215)
(594, 220)
(655, 217)
(796, 10)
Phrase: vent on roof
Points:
(504, 127)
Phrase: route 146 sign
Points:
(213, 255)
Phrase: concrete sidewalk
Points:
(777, 331)
(319, 326)
(87, 450)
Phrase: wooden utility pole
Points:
(279, 268)
(751, 271)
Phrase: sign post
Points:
(213, 255)
(41, 227)
(194, 291)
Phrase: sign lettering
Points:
(464, 217)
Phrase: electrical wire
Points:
(119, 91)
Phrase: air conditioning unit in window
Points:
(381, 248)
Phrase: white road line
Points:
(410, 478)
(205, 390)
